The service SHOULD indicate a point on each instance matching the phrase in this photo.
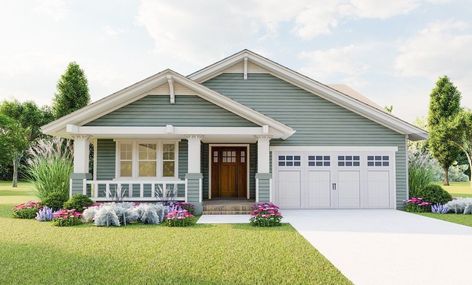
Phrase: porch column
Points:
(263, 175)
(81, 165)
(194, 176)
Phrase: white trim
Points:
(140, 89)
(170, 81)
(407, 170)
(245, 68)
(135, 160)
(314, 87)
(248, 160)
(335, 148)
(95, 157)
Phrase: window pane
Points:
(168, 151)
(168, 169)
(147, 151)
(125, 151)
(125, 169)
(147, 168)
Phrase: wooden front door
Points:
(229, 172)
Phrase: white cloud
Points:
(55, 9)
(442, 48)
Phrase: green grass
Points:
(32, 252)
(453, 218)
(459, 189)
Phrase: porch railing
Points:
(119, 190)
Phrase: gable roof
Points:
(357, 104)
(343, 88)
(141, 88)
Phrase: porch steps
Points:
(231, 207)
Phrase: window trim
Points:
(135, 159)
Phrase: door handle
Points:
(334, 186)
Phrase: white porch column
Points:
(81, 154)
(263, 157)
(194, 144)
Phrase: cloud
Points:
(442, 48)
(55, 9)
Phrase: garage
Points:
(338, 178)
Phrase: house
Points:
(242, 128)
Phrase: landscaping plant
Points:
(150, 213)
(265, 215)
(180, 218)
(106, 216)
(421, 172)
(460, 205)
(66, 218)
(435, 194)
(26, 210)
(439, 209)
(44, 214)
(78, 202)
(50, 166)
(417, 205)
(55, 200)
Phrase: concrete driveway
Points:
(388, 246)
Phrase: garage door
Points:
(334, 179)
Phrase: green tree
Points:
(389, 109)
(462, 127)
(72, 91)
(14, 140)
(443, 107)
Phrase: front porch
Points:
(190, 168)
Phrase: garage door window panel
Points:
(289, 160)
(319, 160)
(349, 160)
(378, 160)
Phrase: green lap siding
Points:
(317, 121)
(156, 111)
(264, 190)
(106, 157)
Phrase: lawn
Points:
(459, 189)
(39, 253)
(453, 218)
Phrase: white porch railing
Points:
(119, 190)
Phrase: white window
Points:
(289, 160)
(168, 160)
(126, 160)
(147, 159)
(378, 160)
(349, 160)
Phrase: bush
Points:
(55, 200)
(417, 205)
(88, 214)
(26, 210)
(183, 206)
(265, 215)
(434, 194)
(66, 218)
(439, 209)
(50, 166)
(420, 172)
(180, 218)
(44, 214)
(106, 216)
(150, 213)
(460, 205)
(78, 202)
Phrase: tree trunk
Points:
(469, 155)
(446, 176)
(15, 173)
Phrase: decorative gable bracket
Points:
(170, 80)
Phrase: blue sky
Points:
(390, 51)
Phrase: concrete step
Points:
(227, 207)
(226, 212)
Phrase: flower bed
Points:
(26, 210)
(180, 218)
(265, 215)
(66, 218)
(418, 205)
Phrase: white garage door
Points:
(334, 179)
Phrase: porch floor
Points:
(227, 207)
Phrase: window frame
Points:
(135, 160)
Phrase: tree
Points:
(443, 107)
(14, 140)
(72, 91)
(462, 126)
(389, 109)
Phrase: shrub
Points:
(435, 194)
(125, 212)
(265, 215)
(150, 213)
(417, 205)
(420, 172)
(184, 206)
(439, 209)
(460, 205)
(89, 214)
(180, 218)
(78, 202)
(50, 166)
(106, 216)
(66, 218)
(55, 200)
(44, 214)
(26, 210)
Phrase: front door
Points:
(229, 172)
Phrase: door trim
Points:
(210, 146)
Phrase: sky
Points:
(390, 51)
